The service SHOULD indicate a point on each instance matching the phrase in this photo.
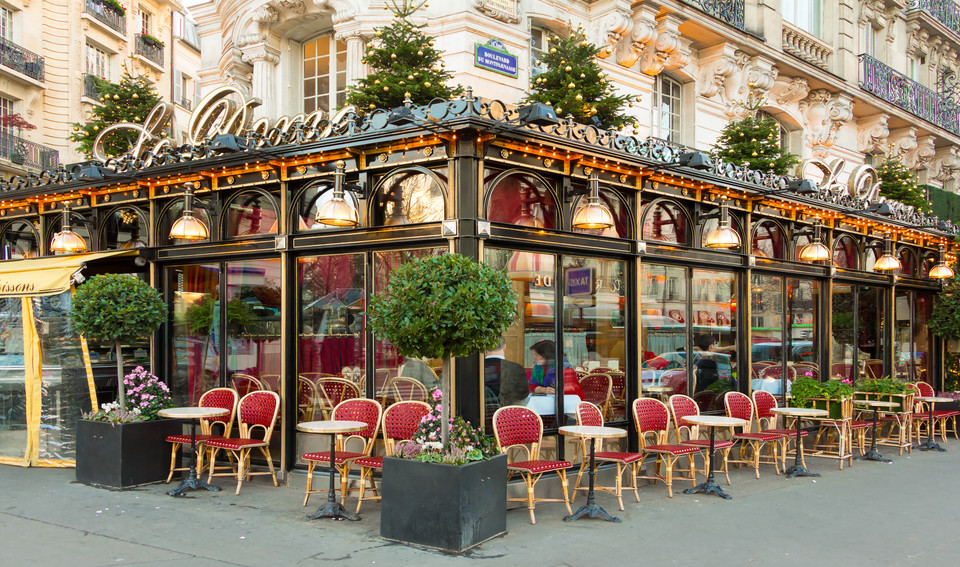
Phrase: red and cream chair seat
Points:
(519, 428)
(682, 406)
(225, 398)
(651, 418)
(257, 413)
(400, 423)
(589, 414)
(357, 409)
(740, 406)
(946, 420)
(764, 402)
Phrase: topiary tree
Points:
(113, 308)
(575, 84)
(442, 307)
(404, 62)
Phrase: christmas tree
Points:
(755, 142)
(899, 183)
(405, 63)
(130, 100)
(575, 85)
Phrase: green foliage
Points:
(900, 184)
(945, 203)
(754, 142)
(117, 307)
(117, 7)
(836, 389)
(945, 315)
(130, 100)
(404, 62)
(575, 85)
(240, 315)
(951, 381)
(445, 305)
(883, 386)
(806, 389)
(467, 443)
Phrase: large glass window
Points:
(170, 216)
(409, 196)
(621, 220)
(768, 240)
(714, 299)
(666, 109)
(858, 343)
(324, 74)
(311, 199)
(124, 227)
(79, 224)
(19, 240)
(846, 254)
(666, 222)
(805, 14)
(195, 331)
(520, 198)
(251, 213)
(6, 23)
(663, 317)
(98, 62)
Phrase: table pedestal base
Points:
(192, 483)
(799, 470)
(591, 511)
(332, 510)
(874, 455)
(931, 445)
(708, 487)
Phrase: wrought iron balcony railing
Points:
(107, 15)
(186, 103)
(90, 89)
(729, 11)
(20, 59)
(898, 89)
(945, 11)
(147, 48)
(25, 152)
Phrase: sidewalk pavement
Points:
(904, 513)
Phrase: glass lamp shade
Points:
(723, 237)
(133, 243)
(337, 212)
(396, 220)
(887, 263)
(592, 215)
(67, 241)
(941, 271)
(814, 252)
(189, 227)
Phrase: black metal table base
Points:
(708, 487)
(931, 445)
(332, 510)
(193, 482)
(873, 454)
(591, 509)
(796, 470)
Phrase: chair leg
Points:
(213, 455)
(619, 485)
(566, 498)
(173, 461)
(530, 502)
(310, 466)
(241, 469)
(668, 461)
(726, 457)
(583, 467)
(273, 473)
(344, 471)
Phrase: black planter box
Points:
(124, 455)
(446, 507)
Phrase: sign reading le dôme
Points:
(494, 56)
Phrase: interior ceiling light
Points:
(888, 262)
(66, 241)
(724, 236)
(338, 211)
(941, 271)
(593, 214)
(189, 227)
(815, 251)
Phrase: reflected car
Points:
(669, 369)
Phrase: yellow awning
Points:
(46, 276)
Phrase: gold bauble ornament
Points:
(372, 106)
(568, 68)
(538, 62)
(402, 83)
(116, 97)
(370, 53)
(406, 95)
(386, 88)
(409, 77)
(420, 53)
(553, 50)
(571, 85)
(579, 96)
(754, 154)
(559, 110)
(582, 76)
(584, 43)
(427, 84)
(753, 140)
(430, 43)
(376, 81)
(393, 56)
(135, 95)
(442, 83)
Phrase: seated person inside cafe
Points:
(506, 379)
(419, 370)
(707, 369)
(543, 376)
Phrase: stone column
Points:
(264, 59)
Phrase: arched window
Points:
(19, 240)
(872, 252)
(171, 213)
(930, 259)
(709, 225)
(309, 201)
(621, 219)
(521, 198)
(846, 254)
(77, 222)
(768, 240)
(666, 221)
(124, 227)
(908, 264)
(250, 213)
(408, 196)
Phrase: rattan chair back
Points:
(740, 406)
(682, 406)
(225, 398)
(405, 389)
(359, 409)
(651, 418)
(258, 413)
(518, 426)
(400, 422)
(244, 383)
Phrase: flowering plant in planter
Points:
(467, 443)
(146, 395)
(112, 413)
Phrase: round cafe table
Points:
(712, 422)
(331, 508)
(591, 508)
(797, 469)
(194, 414)
(931, 444)
(659, 391)
(873, 454)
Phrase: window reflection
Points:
(621, 221)
(314, 197)
(846, 253)
(409, 196)
(520, 198)
(19, 241)
(665, 222)
(768, 240)
(172, 213)
(195, 312)
(124, 228)
(251, 213)
(663, 317)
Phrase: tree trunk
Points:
(445, 402)
(121, 390)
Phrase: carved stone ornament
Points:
(644, 33)
(825, 113)
(872, 134)
(736, 78)
(611, 28)
(945, 164)
(504, 10)
(787, 90)
(665, 51)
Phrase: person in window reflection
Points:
(707, 370)
(505, 378)
(543, 377)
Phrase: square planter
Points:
(904, 401)
(124, 455)
(838, 409)
(446, 507)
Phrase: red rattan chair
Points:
(651, 418)
(400, 422)
(521, 428)
(740, 406)
(680, 407)
(597, 389)
(945, 419)
(775, 372)
(359, 409)
(403, 389)
(764, 402)
(307, 399)
(331, 392)
(244, 383)
(225, 398)
(589, 414)
(270, 382)
(257, 412)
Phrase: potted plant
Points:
(123, 444)
(888, 390)
(835, 396)
(442, 307)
